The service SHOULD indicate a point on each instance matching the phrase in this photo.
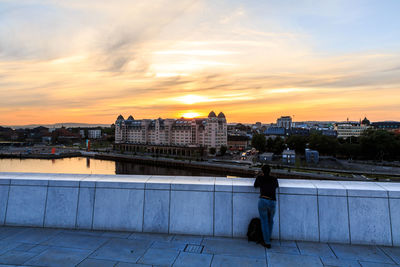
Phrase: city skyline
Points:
(79, 62)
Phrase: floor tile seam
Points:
(79, 234)
(329, 246)
(118, 262)
(241, 256)
(140, 257)
(298, 247)
(212, 259)
(357, 258)
(35, 245)
(380, 262)
(61, 246)
(32, 258)
(146, 250)
(27, 260)
(129, 236)
(94, 251)
(176, 257)
(285, 253)
(387, 254)
(111, 236)
(13, 234)
(4, 252)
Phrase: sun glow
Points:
(192, 99)
(190, 115)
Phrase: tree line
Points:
(371, 145)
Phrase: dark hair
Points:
(266, 169)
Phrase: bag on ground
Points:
(254, 232)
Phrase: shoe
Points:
(268, 246)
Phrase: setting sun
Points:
(190, 115)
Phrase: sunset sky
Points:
(89, 61)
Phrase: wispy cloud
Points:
(88, 62)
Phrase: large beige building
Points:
(207, 132)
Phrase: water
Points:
(93, 166)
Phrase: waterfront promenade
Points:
(22, 246)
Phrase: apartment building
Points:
(348, 129)
(207, 132)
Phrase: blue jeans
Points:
(266, 208)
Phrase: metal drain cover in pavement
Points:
(194, 248)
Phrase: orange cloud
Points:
(162, 62)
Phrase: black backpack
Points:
(254, 232)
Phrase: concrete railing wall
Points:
(326, 211)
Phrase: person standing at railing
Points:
(266, 202)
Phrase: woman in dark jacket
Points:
(266, 202)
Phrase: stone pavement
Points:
(22, 246)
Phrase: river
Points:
(93, 166)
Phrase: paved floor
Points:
(54, 247)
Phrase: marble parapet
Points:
(307, 210)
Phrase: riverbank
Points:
(230, 170)
(39, 156)
(219, 168)
(283, 172)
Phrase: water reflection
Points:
(93, 166)
(133, 168)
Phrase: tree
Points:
(350, 150)
(258, 142)
(297, 142)
(279, 145)
(212, 150)
(223, 150)
(270, 144)
(325, 145)
(380, 145)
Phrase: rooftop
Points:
(57, 247)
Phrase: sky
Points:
(88, 61)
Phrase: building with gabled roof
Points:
(206, 132)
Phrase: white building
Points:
(347, 129)
(94, 134)
(208, 132)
